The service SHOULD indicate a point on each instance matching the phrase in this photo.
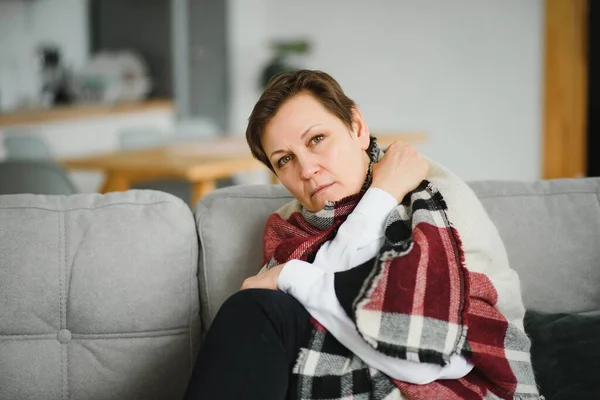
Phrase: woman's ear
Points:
(360, 130)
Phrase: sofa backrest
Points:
(230, 225)
(98, 296)
(551, 230)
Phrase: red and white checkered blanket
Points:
(430, 293)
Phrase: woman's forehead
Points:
(298, 115)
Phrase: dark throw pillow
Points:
(565, 352)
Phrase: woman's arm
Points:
(358, 239)
(314, 289)
(364, 227)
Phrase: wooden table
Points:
(77, 112)
(201, 163)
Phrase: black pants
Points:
(250, 348)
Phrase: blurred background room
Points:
(156, 93)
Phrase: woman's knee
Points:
(262, 302)
(246, 299)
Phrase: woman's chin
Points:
(319, 202)
(333, 193)
(315, 205)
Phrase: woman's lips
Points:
(320, 189)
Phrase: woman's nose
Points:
(308, 166)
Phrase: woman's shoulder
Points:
(464, 209)
(448, 182)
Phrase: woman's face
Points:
(315, 155)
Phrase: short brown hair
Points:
(283, 87)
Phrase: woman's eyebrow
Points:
(276, 152)
(308, 130)
(301, 138)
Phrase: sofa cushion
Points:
(565, 353)
(98, 296)
(231, 224)
(551, 230)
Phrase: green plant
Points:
(279, 62)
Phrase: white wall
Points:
(467, 72)
(26, 24)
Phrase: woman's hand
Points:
(400, 170)
(265, 280)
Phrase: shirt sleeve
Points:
(364, 227)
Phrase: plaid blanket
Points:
(427, 295)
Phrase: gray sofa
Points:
(107, 297)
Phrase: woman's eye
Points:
(317, 139)
(284, 160)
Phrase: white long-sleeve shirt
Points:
(358, 240)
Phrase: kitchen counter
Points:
(66, 113)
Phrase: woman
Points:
(368, 251)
